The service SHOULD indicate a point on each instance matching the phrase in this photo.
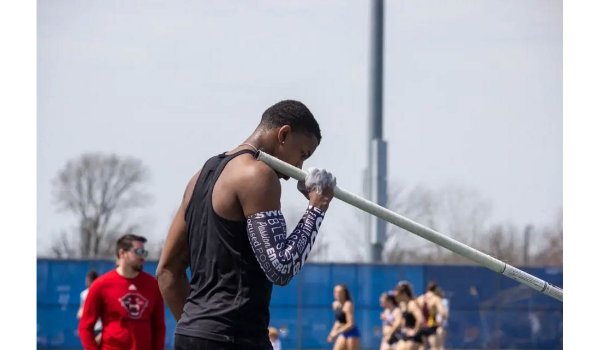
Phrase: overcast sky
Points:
(473, 95)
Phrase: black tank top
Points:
(409, 319)
(340, 316)
(229, 295)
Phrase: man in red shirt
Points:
(128, 302)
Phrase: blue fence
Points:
(487, 310)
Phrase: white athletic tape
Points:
(423, 231)
(319, 178)
(524, 278)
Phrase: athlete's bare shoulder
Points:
(348, 306)
(245, 170)
(253, 168)
(256, 185)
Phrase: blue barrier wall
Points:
(487, 310)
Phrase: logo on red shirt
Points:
(134, 303)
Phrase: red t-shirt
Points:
(131, 310)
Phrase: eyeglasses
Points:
(141, 252)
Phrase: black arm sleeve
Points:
(279, 256)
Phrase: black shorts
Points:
(183, 342)
(428, 331)
(393, 339)
(418, 338)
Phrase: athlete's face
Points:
(338, 293)
(295, 147)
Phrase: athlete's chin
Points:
(138, 268)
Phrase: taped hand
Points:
(318, 179)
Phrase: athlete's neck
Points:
(254, 143)
(127, 271)
(262, 140)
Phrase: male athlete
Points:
(230, 231)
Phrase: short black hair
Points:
(92, 275)
(292, 113)
(126, 242)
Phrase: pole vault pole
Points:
(423, 231)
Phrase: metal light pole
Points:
(376, 174)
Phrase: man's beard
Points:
(138, 267)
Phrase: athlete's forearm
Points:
(279, 256)
(175, 289)
(334, 328)
(344, 327)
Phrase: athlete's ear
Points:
(283, 133)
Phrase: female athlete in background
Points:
(344, 330)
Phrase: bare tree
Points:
(551, 253)
(460, 213)
(62, 248)
(502, 244)
(463, 215)
(417, 204)
(456, 211)
(100, 190)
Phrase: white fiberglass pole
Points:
(423, 231)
